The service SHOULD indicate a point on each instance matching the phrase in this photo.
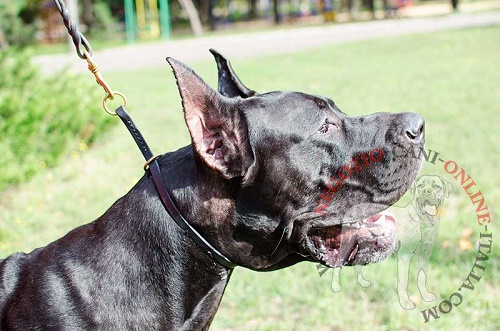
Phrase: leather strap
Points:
(165, 197)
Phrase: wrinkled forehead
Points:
(285, 111)
(430, 181)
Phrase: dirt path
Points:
(269, 42)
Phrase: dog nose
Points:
(413, 127)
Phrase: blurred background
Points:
(25, 22)
(64, 161)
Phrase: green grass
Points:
(449, 77)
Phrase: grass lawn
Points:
(449, 77)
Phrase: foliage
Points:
(104, 23)
(41, 117)
(16, 22)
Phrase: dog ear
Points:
(413, 186)
(447, 187)
(229, 83)
(218, 129)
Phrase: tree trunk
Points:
(88, 14)
(253, 9)
(75, 17)
(194, 18)
(277, 17)
(3, 41)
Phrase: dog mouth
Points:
(430, 206)
(361, 242)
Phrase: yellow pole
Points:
(141, 16)
(154, 24)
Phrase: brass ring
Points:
(151, 160)
(108, 96)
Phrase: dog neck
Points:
(219, 208)
(188, 284)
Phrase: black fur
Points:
(252, 194)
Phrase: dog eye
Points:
(326, 127)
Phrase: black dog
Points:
(249, 183)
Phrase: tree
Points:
(3, 41)
(277, 18)
(88, 13)
(194, 18)
(253, 9)
(16, 23)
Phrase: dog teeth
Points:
(377, 231)
(353, 253)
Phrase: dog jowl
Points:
(249, 183)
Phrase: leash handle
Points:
(84, 51)
(78, 38)
(166, 199)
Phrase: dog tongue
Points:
(431, 210)
(384, 215)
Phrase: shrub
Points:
(15, 30)
(105, 23)
(42, 117)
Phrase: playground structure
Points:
(144, 19)
(151, 19)
(147, 19)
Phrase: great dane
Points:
(250, 183)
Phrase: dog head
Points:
(307, 180)
(429, 193)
